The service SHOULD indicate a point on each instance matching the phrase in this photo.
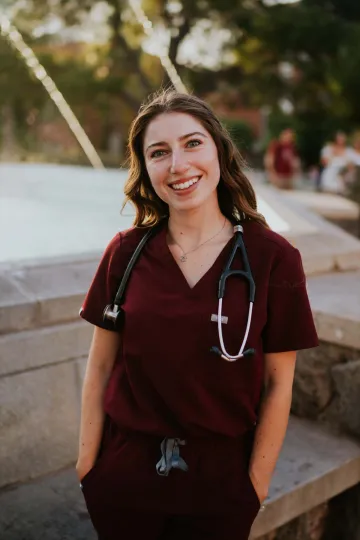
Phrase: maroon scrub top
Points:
(165, 380)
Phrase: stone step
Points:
(314, 466)
(41, 347)
(327, 205)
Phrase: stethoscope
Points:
(246, 274)
(114, 313)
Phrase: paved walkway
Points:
(55, 211)
(51, 508)
(49, 210)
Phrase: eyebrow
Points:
(180, 139)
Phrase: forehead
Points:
(168, 127)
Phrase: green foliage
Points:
(241, 133)
(318, 39)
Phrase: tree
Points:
(312, 64)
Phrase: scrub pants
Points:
(214, 499)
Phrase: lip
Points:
(190, 189)
(183, 180)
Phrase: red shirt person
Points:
(283, 160)
(169, 400)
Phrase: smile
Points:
(185, 185)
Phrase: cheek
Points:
(158, 177)
(212, 166)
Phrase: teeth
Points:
(186, 185)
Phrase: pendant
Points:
(183, 258)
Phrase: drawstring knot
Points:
(170, 456)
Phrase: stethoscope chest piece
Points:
(114, 314)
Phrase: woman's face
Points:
(340, 138)
(182, 161)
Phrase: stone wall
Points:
(43, 350)
(337, 519)
(326, 387)
(309, 526)
(41, 375)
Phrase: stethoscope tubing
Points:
(113, 312)
(246, 274)
(225, 355)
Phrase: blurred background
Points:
(264, 65)
(284, 77)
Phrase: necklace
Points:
(183, 257)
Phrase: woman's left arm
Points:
(273, 419)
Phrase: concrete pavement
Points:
(61, 211)
(51, 508)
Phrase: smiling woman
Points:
(179, 438)
(183, 165)
(196, 145)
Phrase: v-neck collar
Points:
(217, 264)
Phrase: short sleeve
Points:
(104, 286)
(290, 325)
(326, 152)
(351, 156)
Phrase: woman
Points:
(176, 442)
(282, 162)
(335, 158)
(353, 177)
(354, 151)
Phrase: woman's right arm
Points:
(102, 355)
(325, 157)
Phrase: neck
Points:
(195, 226)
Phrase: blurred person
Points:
(269, 160)
(353, 180)
(178, 438)
(336, 159)
(314, 175)
(355, 151)
(283, 160)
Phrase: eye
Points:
(157, 153)
(193, 143)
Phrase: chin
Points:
(191, 204)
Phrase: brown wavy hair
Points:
(236, 196)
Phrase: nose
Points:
(179, 162)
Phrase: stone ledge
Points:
(43, 295)
(324, 247)
(22, 351)
(335, 301)
(314, 466)
(327, 205)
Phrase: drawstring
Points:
(170, 456)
